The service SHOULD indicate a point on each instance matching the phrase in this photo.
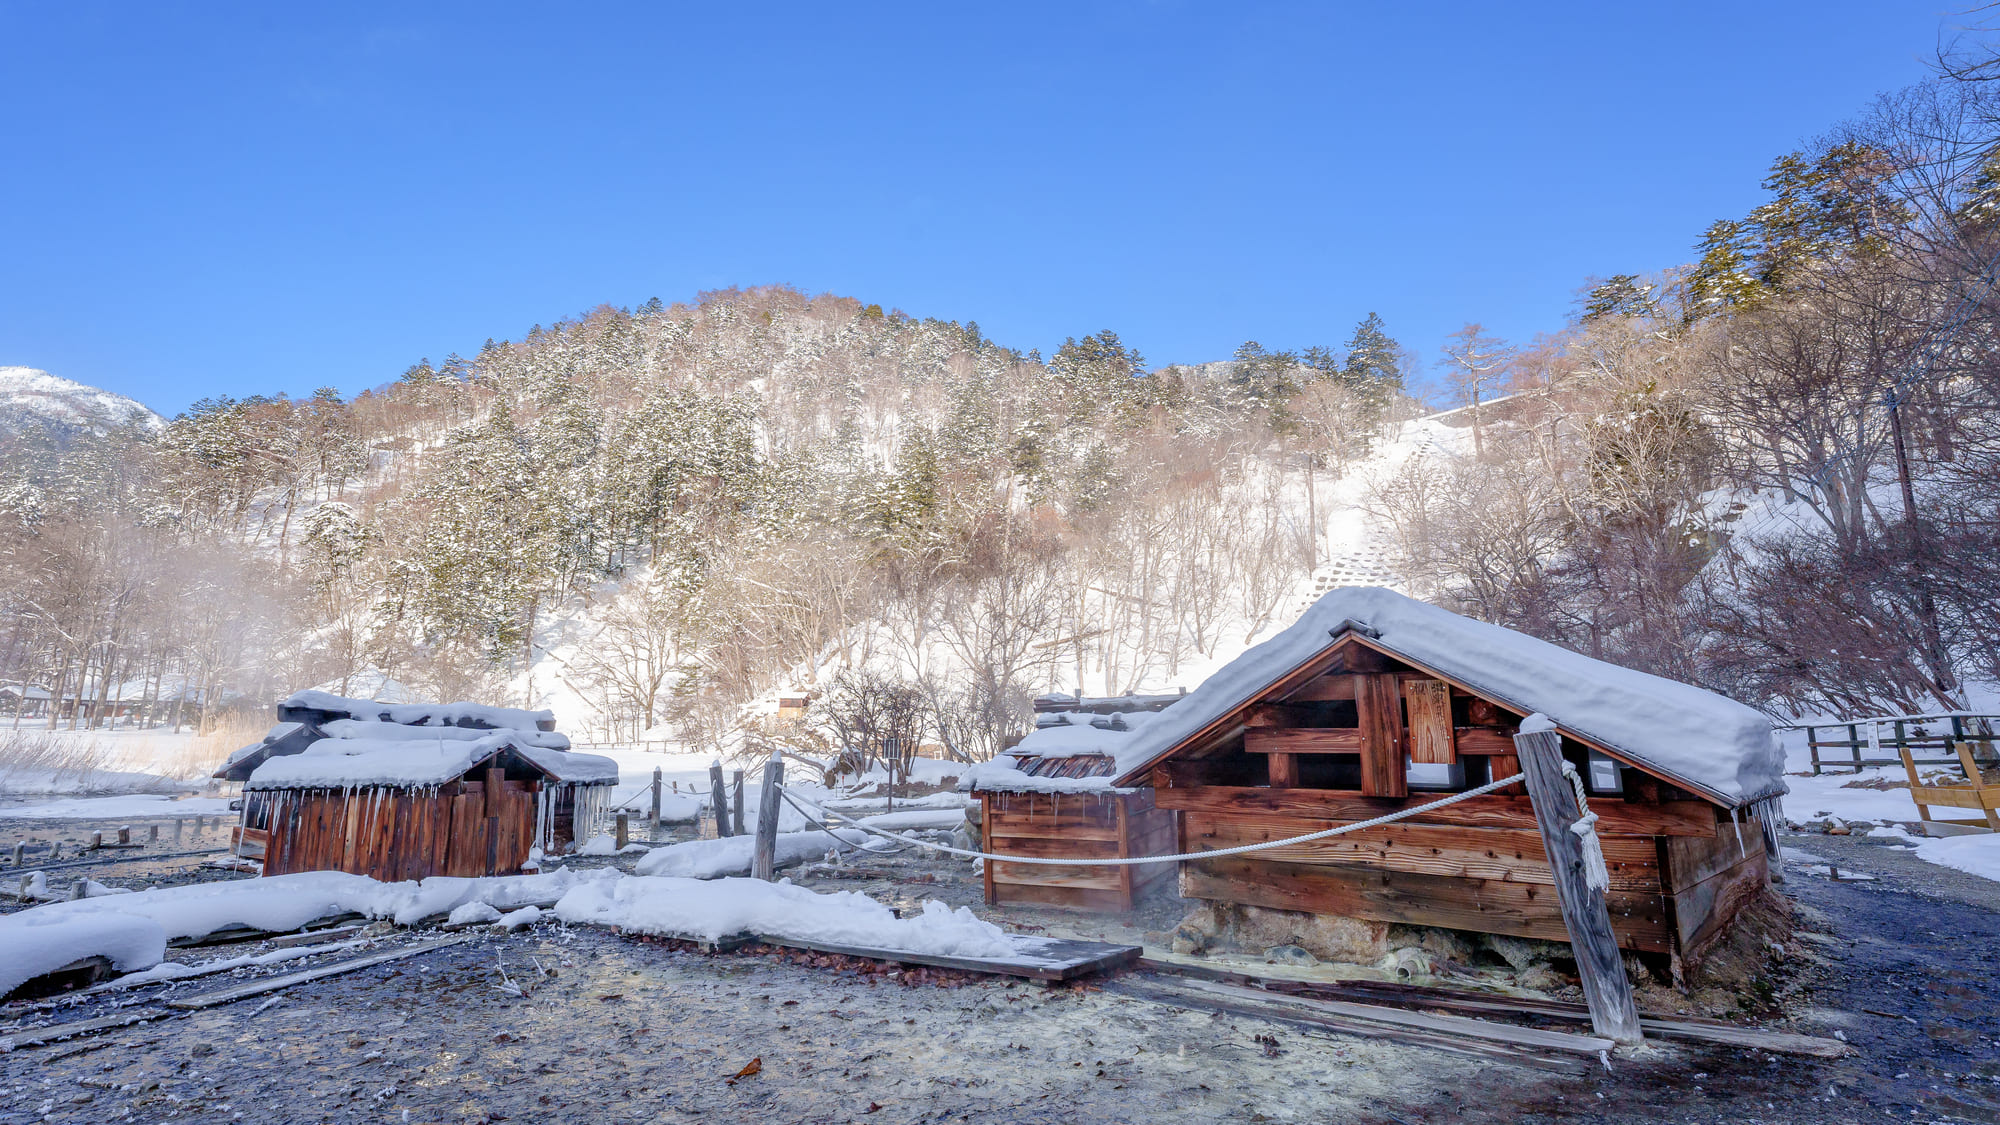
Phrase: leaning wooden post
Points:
(736, 821)
(718, 799)
(765, 864)
(656, 795)
(1605, 987)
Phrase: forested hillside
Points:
(657, 515)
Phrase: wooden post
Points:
(1605, 987)
(178, 829)
(624, 835)
(765, 864)
(20, 852)
(736, 821)
(718, 799)
(152, 833)
(655, 818)
(96, 840)
(124, 834)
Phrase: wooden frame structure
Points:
(1978, 794)
(1333, 741)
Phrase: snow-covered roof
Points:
(1696, 738)
(1060, 735)
(477, 716)
(389, 755)
(329, 741)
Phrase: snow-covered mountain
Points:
(29, 396)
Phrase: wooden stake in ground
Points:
(624, 832)
(765, 863)
(656, 796)
(736, 822)
(718, 799)
(1605, 987)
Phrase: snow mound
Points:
(1974, 855)
(731, 855)
(702, 910)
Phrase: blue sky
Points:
(210, 199)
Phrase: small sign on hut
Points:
(407, 791)
(1373, 702)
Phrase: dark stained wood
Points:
(1691, 861)
(1670, 818)
(986, 814)
(1303, 740)
(1703, 911)
(1099, 878)
(1509, 855)
(1485, 905)
(1585, 913)
(1379, 700)
(1507, 765)
(1428, 705)
(1483, 740)
(1323, 690)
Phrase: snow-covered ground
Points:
(141, 806)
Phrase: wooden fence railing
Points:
(1930, 740)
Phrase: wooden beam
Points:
(1383, 770)
(1325, 689)
(1302, 740)
(1606, 990)
(1615, 818)
(1284, 771)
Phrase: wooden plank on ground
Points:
(1426, 1021)
(1689, 1028)
(1273, 1010)
(1615, 818)
(273, 984)
(56, 1033)
(1054, 960)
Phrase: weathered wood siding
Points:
(469, 828)
(1074, 826)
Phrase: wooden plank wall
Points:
(402, 834)
(1709, 879)
(1074, 826)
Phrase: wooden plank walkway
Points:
(1047, 959)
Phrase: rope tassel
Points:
(1595, 875)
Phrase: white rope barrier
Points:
(1400, 814)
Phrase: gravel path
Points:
(614, 1028)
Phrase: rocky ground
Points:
(563, 1024)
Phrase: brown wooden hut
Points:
(1051, 796)
(1373, 702)
(407, 791)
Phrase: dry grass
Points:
(65, 756)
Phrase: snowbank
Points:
(136, 807)
(916, 820)
(1851, 797)
(1702, 740)
(1974, 855)
(133, 929)
(711, 910)
(731, 855)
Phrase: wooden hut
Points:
(1373, 702)
(407, 791)
(1051, 796)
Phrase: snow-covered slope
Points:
(28, 396)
